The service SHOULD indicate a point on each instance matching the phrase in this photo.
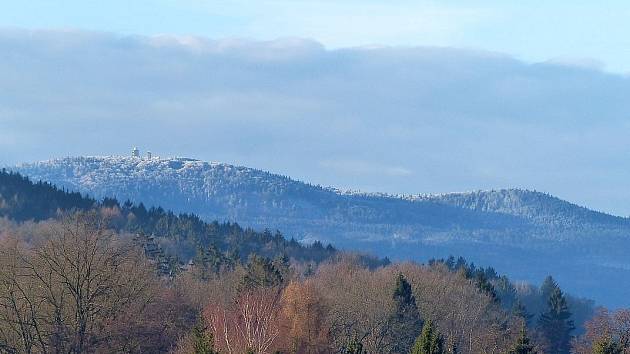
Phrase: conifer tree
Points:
(429, 342)
(261, 273)
(283, 265)
(505, 291)
(405, 322)
(354, 347)
(519, 310)
(450, 262)
(606, 345)
(452, 347)
(309, 271)
(522, 345)
(547, 287)
(555, 324)
(203, 342)
(482, 283)
(200, 262)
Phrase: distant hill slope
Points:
(526, 234)
(249, 196)
(541, 208)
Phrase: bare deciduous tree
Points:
(59, 293)
(251, 322)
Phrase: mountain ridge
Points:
(494, 201)
(200, 182)
(96, 174)
(526, 234)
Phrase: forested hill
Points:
(524, 234)
(217, 191)
(542, 208)
(249, 196)
(21, 199)
(180, 236)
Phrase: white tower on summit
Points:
(135, 152)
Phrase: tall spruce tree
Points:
(405, 322)
(555, 324)
(430, 341)
(523, 344)
(547, 287)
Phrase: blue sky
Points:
(579, 32)
(400, 97)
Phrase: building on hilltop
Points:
(135, 152)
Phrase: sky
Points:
(583, 32)
(399, 97)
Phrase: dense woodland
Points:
(85, 276)
(534, 233)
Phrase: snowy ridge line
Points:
(199, 182)
(140, 161)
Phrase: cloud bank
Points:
(390, 119)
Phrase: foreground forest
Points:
(81, 276)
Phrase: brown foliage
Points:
(462, 313)
(152, 328)
(359, 303)
(218, 289)
(74, 286)
(61, 293)
(615, 325)
(304, 314)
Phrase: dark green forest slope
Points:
(179, 235)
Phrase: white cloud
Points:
(349, 22)
(393, 119)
